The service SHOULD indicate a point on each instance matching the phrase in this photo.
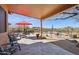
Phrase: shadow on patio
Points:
(67, 45)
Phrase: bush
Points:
(47, 35)
(43, 37)
(74, 36)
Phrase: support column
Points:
(41, 28)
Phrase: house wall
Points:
(3, 26)
(2, 20)
(3, 38)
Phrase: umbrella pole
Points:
(24, 28)
(41, 28)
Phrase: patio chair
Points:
(13, 41)
(17, 36)
(11, 47)
(2, 52)
(8, 50)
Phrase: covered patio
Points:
(29, 44)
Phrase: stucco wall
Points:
(3, 38)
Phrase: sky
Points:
(47, 23)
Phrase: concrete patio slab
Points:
(40, 47)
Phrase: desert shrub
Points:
(42, 37)
(47, 35)
(74, 36)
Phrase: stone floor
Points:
(40, 47)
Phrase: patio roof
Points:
(37, 10)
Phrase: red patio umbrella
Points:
(27, 12)
(23, 23)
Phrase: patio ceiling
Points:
(38, 10)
